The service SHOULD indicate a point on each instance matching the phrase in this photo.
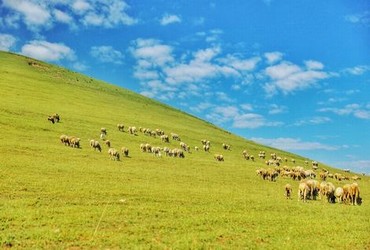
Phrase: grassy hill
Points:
(55, 196)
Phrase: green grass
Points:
(57, 197)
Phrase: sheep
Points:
(121, 127)
(303, 190)
(175, 137)
(125, 151)
(206, 147)
(74, 142)
(64, 139)
(196, 148)
(107, 142)
(314, 188)
(226, 146)
(246, 155)
(95, 145)
(346, 170)
(354, 193)
(328, 190)
(102, 136)
(148, 148)
(156, 151)
(165, 138)
(54, 118)
(262, 154)
(338, 193)
(132, 130)
(113, 154)
(142, 147)
(219, 157)
(356, 178)
(288, 191)
(159, 132)
(103, 131)
(323, 175)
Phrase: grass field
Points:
(58, 197)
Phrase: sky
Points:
(291, 74)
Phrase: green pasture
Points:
(58, 197)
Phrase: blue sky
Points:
(292, 74)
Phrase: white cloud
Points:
(35, 14)
(357, 70)
(273, 57)
(313, 121)
(251, 120)
(169, 19)
(7, 41)
(359, 166)
(79, 66)
(360, 18)
(294, 144)
(107, 54)
(313, 65)
(276, 109)
(152, 52)
(357, 110)
(62, 17)
(44, 14)
(47, 51)
(288, 77)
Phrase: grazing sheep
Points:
(262, 154)
(323, 175)
(95, 145)
(175, 137)
(53, 118)
(328, 190)
(226, 146)
(103, 131)
(124, 151)
(196, 148)
(165, 138)
(303, 190)
(288, 191)
(74, 142)
(356, 178)
(354, 193)
(206, 147)
(113, 154)
(338, 193)
(314, 188)
(219, 157)
(107, 142)
(121, 127)
(132, 130)
(64, 139)
(156, 151)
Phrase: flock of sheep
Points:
(308, 188)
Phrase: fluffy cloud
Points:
(313, 121)
(34, 13)
(169, 19)
(357, 70)
(43, 14)
(294, 144)
(360, 18)
(357, 110)
(7, 41)
(288, 77)
(273, 57)
(47, 51)
(107, 54)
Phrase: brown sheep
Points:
(54, 118)
(120, 127)
(113, 154)
(288, 191)
(219, 157)
(64, 139)
(354, 193)
(314, 188)
(328, 191)
(339, 194)
(125, 151)
(95, 145)
(303, 190)
(107, 142)
(74, 141)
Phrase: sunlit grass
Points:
(55, 196)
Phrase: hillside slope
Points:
(55, 196)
